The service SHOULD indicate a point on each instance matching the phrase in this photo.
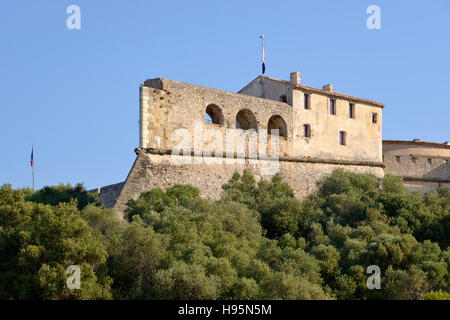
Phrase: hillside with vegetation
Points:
(257, 242)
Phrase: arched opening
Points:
(245, 120)
(213, 114)
(277, 122)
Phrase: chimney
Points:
(328, 87)
(295, 78)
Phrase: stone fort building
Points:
(319, 130)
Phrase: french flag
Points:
(32, 158)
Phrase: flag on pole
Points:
(263, 60)
(32, 158)
(263, 65)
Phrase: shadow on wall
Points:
(441, 171)
(419, 167)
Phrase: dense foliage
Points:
(257, 242)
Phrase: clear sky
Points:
(74, 93)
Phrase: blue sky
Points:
(74, 93)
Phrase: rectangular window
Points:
(332, 106)
(343, 138)
(413, 159)
(351, 110)
(374, 117)
(430, 161)
(397, 159)
(283, 99)
(307, 131)
(306, 101)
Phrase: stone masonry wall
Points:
(155, 170)
(423, 165)
(167, 105)
(363, 136)
(109, 194)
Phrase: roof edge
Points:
(418, 143)
(328, 93)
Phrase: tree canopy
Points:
(256, 242)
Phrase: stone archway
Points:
(246, 120)
(277, 122)
(214, 114)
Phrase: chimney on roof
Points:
(295, 78)
(328, 87)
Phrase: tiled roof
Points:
(328, 93)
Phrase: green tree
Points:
(39, 242)
(64, 193)
(256, 242)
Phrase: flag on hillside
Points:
(32, 158)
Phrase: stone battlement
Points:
(307, 132)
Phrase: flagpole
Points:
(32, 167)
(262, 55)
(262, 43)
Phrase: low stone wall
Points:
(152, 170)
(424, 185)
(109, 194)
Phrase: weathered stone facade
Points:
(167, 105)
(423, 165)
(363, 136)
(157, 170)
(320, 130)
